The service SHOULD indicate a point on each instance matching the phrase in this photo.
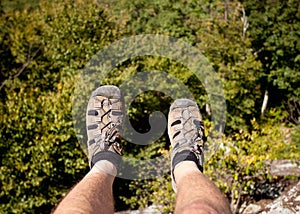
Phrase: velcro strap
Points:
(112, 157)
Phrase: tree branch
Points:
(24, 66)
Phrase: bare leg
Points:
(93, 194)
(104, 117)
(196, 193)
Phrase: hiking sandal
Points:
(186, 133)
(104, 119)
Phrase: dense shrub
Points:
(45, 46)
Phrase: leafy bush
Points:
(237, 167)
(44, 48)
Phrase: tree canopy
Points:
(253, 47)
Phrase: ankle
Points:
(104, 166)
(184, 169)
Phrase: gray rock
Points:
(252, 208)
(288, 203)
(153, 209)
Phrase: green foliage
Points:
(241, 164)
(44, 49)
(158, 191)
(237, 167)
(19, 4)
(40, 156)
(45, 46)
(215, 29)
(233, 60)
(274, 27)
